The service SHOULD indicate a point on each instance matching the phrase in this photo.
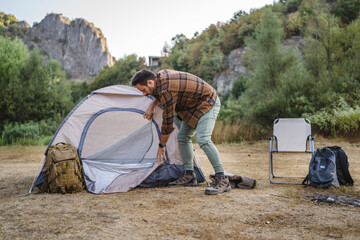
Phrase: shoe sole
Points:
(216, 193)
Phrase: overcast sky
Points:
(135, 26)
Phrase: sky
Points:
(138, 27)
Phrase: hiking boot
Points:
(185, 180)
(221, 185)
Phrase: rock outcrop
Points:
(224, 81)
(78, 45)
(235, 65)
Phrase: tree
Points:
(121, 73)
(165, 50)
(231, 38)
(41, 91)
(239, 87)
(294, 25)
(79, 91)
(179, 41)
(331, 54)
(266, 43)
(321, 43)
(347, 10)
(237, 15)
(346, 61)
(280, 85)
(211, 59)
(292, 5)
(12, 56)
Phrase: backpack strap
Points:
(305, 182)
(344, 164)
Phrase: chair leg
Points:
(271, 174)
(271, 169)
(272, 166)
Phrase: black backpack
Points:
(322, 169)
(342, 166)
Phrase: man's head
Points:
(144, 81)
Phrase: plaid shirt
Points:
(186, 94)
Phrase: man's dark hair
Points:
(142, 76)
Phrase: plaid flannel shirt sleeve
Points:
(168, 100)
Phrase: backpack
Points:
(63, 170)
(342, 166)
(322, 169)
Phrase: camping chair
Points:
(290, 135)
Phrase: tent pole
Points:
(38, 172)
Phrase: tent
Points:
(116, 145)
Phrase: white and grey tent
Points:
(116, 145)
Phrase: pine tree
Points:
(279, 85)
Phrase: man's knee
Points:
(203, 140)
(184, 138)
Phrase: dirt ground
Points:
(266, 212)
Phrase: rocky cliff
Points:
(223, 82)
(235, 65)
(78, 45)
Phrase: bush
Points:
(340, 119)
(30, 133)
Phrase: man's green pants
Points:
(203, 132)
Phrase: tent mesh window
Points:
(110, 151)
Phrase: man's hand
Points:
(149, 113)
(151, 110)
(161, 156)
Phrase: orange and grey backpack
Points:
(63, 170)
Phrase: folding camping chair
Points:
(290, 135)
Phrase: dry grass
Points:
(238, 132)
(266, 212)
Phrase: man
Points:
(197, 105)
